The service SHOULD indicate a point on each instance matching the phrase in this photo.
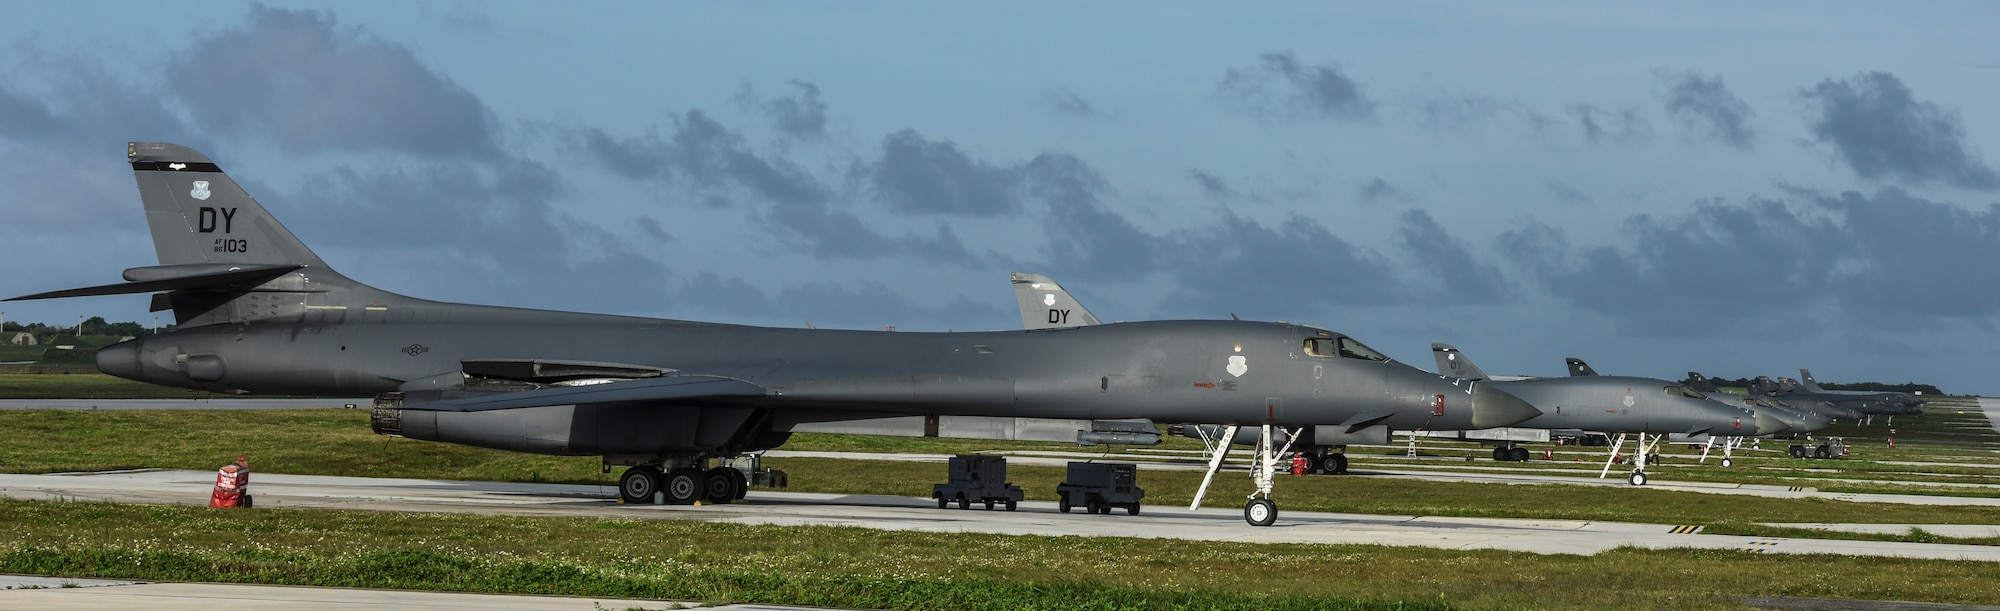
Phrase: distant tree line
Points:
(94, 325)
(1906, 387)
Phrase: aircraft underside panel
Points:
(1494, 434)
(597, 429)
(954, 427)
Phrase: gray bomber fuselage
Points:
(1170, 370)
(1600, 403)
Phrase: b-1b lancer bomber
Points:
(258, 312)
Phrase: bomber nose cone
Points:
(1809, 422)
(1770, 425)
(1492, 407)
(120, 359)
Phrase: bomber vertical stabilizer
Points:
(1045, 305)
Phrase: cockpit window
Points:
(1354, 350)
(1343, 347)
(1683, 391)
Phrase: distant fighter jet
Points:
(258, 312)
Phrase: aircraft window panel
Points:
(1319, 347)
(1354, 350)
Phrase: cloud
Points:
(1882, 132)
(1565, 193)
(800, 116)
(297, 78)
(1776, 268)
(1278, 87)
(701, 152)
(1624, 126)
(1460, 277)
(1211, 185)
(1234, 264)
(1067, 102)
(924, 176)
(1705, 105)
(1378, 190)
(1467, 111)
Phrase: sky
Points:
(1734, 189)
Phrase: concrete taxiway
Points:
(57, 593)
(1490, 475)
(1224, 523)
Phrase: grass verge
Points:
(853, 567)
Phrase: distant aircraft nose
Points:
(1492, 407)
(120, 359)
(1768, 424)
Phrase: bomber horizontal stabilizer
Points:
(161, 278)
(665, 389)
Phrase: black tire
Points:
(989, 504)
(1520, 455)
(1797, 451)
(246, 502)
(942, 502)
(637, 485)
(1726, 463)
(1062, 506)
(1260, 512)
(722, 485)
(1132, 509)
(684, 486)
(1501, 454)
(1315, 464)
(1637, 478)
(1822, 453)
(1339, 464)
(964, 503)
(1010, 504)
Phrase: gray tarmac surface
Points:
(1213, 523)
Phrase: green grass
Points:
(17, 383)
(853, 567)
(338, 442)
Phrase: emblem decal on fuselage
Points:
(200, 190)
(1237, 366)
(1628, 397)
(415, 349)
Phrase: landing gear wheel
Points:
(722, 485)
(683, 486)
(1502, 455)
(1260, 512)
(638, 484)
(1726, 463)
(1315, 464)
(1520, 455)
(1637, 478)
(1339, 464)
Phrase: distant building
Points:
(22, 339)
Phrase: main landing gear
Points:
(683, 485)
(1260, 511)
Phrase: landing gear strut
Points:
(1260, 511)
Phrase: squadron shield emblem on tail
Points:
(200, 190)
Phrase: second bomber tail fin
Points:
(1045, 305)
